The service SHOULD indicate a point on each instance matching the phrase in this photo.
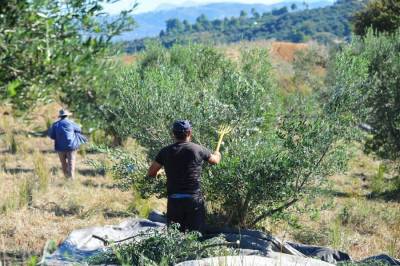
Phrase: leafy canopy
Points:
(279, 151)
(52, 48)
(368, 84)
(380, 15)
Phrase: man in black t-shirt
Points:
(183, 163)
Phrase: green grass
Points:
(26, 187)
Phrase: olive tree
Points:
(380, 15)
(55, 48)
(280, 148)
(367, 81)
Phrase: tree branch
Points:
(270, 212)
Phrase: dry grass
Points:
(128, 59)
(282, 55)
(354, 222)
(279, 51)
(37, 203)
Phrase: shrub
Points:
(367, 82)
(279, 150)
(182, 83)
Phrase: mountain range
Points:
(150, 24)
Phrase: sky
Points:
(149, 5)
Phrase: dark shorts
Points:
(190, 213)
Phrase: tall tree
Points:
(367, 80)
(50, 47)
(381, 15)
(255, 14)
(174, 25)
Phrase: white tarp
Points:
(256, 247)
(279, 259)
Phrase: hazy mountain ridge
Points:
(151, 23)
(327, 25)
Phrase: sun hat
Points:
(63, 113)
(181, 126)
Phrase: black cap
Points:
(181, 126)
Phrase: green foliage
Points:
(51, 246)
(165, 246)
(367, 84)
(140, 205)
(126, 167)
(380, 15)
(32, 261)
(13, 145)
(279, 149)
(274, 169)
(378, 180)
(49, 48)
(304, 65)
(322, 24)
(335, 234)
(165, 85)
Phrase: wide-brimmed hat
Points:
(63, 113)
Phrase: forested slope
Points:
(325, 24)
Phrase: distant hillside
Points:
(150, 24)
(325, 24)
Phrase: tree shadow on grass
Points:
(51, 151)
(15, 171)
(109, 213)
(92, 172)
(93, 184)
(52, 207)
(335, 193)
(391, 195)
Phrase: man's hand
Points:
(215, 158)
(153, 169)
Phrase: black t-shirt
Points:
(183, 162)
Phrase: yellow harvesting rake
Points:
(222, 131)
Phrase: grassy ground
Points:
(36, 202)
(358, 212)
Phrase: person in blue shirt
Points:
(67, 139)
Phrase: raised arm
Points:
(215, 158)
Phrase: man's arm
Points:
(153, 169)
(76, 127)
(51, 132)
(215, 158)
